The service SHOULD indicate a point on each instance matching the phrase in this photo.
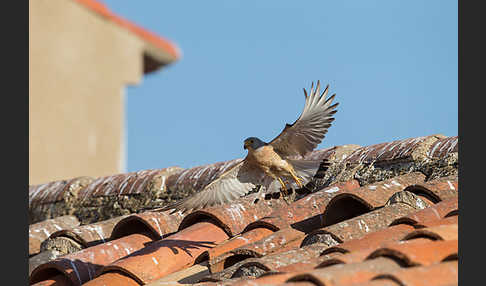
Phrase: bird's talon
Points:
(299, 181)
(284, 187)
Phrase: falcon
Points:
(275, 166)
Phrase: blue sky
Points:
(392, 64)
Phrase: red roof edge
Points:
(147, 36)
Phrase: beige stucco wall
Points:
(79, 64)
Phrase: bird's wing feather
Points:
(229, 186)
(310, 128)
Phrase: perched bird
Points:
(274, 166)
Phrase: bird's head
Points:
(253, 143)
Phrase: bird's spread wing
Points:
(309, 129)
(232, 184)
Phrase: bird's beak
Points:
(245, 145)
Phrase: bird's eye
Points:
(251, 141)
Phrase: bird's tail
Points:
(305, 169)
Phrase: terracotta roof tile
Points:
(327, 203)
(371, 196)
(197, 177)
(299, 214)
(293, 260)
(218, 255)
(89, 234)
(301, 283)
(444, 146)
(423, 217)
(38, 193)
(436, 190)
(288, 238)
(57, 280)
(382, 282)
(113, 278)
(156, 223)
(419, 251)
(336, 153)
(362, 273)
(394, 150)
(349, 273)
(235, 216)
(278, 241)
(359, 226)
(41, 258)
(82, 266)
(445, 273)
(189, 275)
(381, 237)
(307, 258)
(274, 279)
(269, 242)
(342, 234)
(446, 220)
(126, 183)
(53, 192)
(333, 275)
(438, 232)
(281, 241)
(310, 256)
(71, 240)
(90, 199)
(39, 232)
(170, 254)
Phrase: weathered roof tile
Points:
(82, 266)
(113, 278)
(430, 214)
(235, 216)
(92, 200)
(436, 190)
(170, 254)
(444, 146)
(340, 235)
(359, 226)
(292, 260)
(156, 223)
(39, 232)
(305, 213)
(358, 201)
(227, 263)
(218, 254)
(89, 234)
(347, 274)
(445, 273)
(419, 251)
(394, 150)
(197, 177)
(58, 279)
(438, 232)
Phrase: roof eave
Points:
(157, 51)
(155, 58)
